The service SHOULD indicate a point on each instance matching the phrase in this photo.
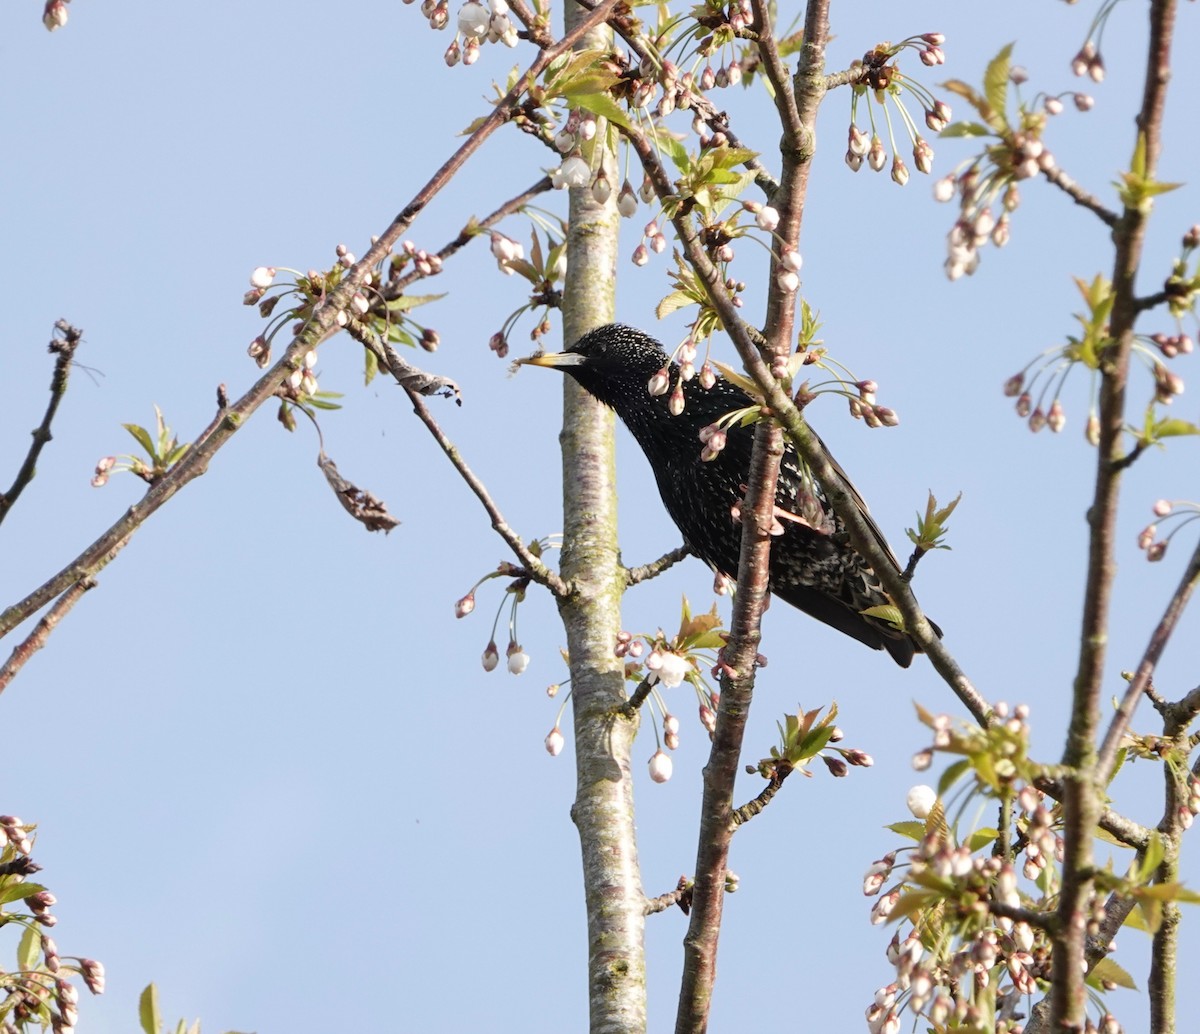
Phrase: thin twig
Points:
(754, 807)
(41, 631)
(629, 709)
(538, 571)
(64, 349)
(680, 896)
(645, 572)
(1080, 196)
(393, 288)
(1161, 635)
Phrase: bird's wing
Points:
(878, 535)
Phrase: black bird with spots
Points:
(813, 566)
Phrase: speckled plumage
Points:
(814, 570)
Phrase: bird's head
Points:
(613, 363)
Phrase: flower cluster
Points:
(1182, 512)
(516, 659)
(972, 950)
(477, 24)
(40, 993)
(881, 78)
(1043, 406)
(978, 904)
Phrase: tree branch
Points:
(645, 572)
(1106, 759)
(64, 348)
(534, 567)
(1080, 196)
(41, 631)
(1081, 790)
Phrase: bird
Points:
(812, 566)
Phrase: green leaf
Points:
(148, 1010)
(371, 367)
(981, 838)
(410, 301)
(1173, 427)
(19, 891)
(995, 89)
(1151, 909)
(599, 104)
(29, 948)
(960, 129)
(142, 437)
(912, 902)
(1136, 921)
(910, 828)
(885, 612)
(1151, 859)
(952, 776)
(673, 302)
(1108, 971)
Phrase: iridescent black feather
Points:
(813, 566)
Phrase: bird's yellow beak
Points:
(554, 359)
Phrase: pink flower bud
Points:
(554, 742)
(262, 277)
(626, 201)
(93, 975)
(767, 218)
(943, 189)
(464, 606)
(1056, 419)
(1162, 507)
(54, 16)
(640, 255)
(660, 382)
(491, 657)
(837, 767)
(883, 907)
(518, 659)
(788, 280)
(660, 767)
(876, 155)
(601, 188)
(675, 403)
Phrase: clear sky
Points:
(269, 771)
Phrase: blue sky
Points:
(268, 769)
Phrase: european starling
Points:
(813, 566)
